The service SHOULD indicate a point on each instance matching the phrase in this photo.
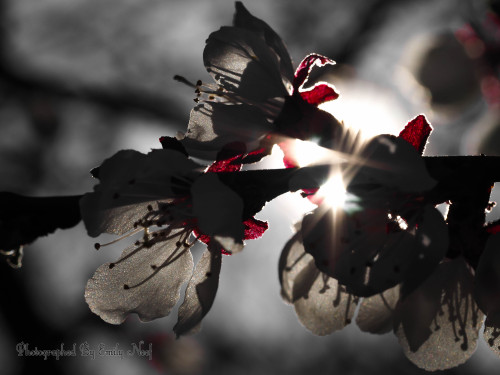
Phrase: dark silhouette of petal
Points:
(358, 250)
(321, 304)
(438, 323)
(376, 313)
(487, 280)
(200, 292)
(245, 20)
(242, 62)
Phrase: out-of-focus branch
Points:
(111, 98)
(19, 77)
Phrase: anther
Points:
(199, 83)
(126, 287)
(150, 208)
(111, 265)
(137, 243)
(97, 245)
(154, 267)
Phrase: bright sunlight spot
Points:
(368, 109)
(333, 191)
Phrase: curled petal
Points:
(438, 323)
(145, 281)
(376, 313)
(245, 20)
(200, 292)
(321, 304)
(416, 133)
(242, 62)
(319, 94)
(305, 67)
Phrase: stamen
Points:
(98, 245)
(181, 79)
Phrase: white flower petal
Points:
(487, 280)
(215, 125)
(244, 19)
(326, 307)
(200, 292)
(153, 277)
(218, 208)
(129, 182)
(292, 260)
(242, 62)
(439, 322)
(322, 305)
(376, 313)
(492, 336)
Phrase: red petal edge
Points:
(320, 93)
(232, 164)
(254, 228)
(306, 66)
(416, 133)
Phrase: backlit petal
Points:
(200, 292)
(319, 94)
(153, 277)
(242, 62)
(439, 322)
(305, 67)
(245, 20)
(321, 304)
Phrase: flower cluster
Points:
(387, 249)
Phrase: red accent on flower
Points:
(416, 132)
(493, 228)
(255, 156)
(320, 93)
(233, 164)
(306, 66)
(254, 228)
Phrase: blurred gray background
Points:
(82, 79)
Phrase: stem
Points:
(455, 176)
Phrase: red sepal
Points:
(320, 93)
(306, 66)
(416, 133)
